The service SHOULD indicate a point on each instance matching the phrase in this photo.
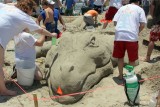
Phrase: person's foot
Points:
(146, 60)
(120, 77)
(8, 93)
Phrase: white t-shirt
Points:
(128, 20)
(12, 22)
(115, 3)
(24, 47)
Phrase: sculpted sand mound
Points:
(78, 63)
(107, 92)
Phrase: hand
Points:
(64, 27)
(54, 34)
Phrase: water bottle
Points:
(54, 41)
(131, 86)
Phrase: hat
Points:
(50, 2)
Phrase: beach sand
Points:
(109, 92)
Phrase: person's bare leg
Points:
(132, 63)
(105, 25)
(3, 89)
(120, 67)
(38, 74)
(149, 51)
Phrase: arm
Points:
(40, 41)
(105, 2)
(38, 20)
(141, 27)
(47, 17)
(43, 31)
(62, 22)
(59, 3)
(13, 4)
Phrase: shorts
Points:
(110, 13)
(50, 27)
(155, 33)
(88, 20)
(121, 46)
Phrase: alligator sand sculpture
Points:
(77, 63)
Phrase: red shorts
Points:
(110, 13)
(121, 46)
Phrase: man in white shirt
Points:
(130, 21)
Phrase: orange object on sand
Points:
(59, 91)
(104, 21)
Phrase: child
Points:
(25, 50)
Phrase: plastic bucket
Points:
(25, 72)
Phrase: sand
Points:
(109, 92)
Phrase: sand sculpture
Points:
(77, 63)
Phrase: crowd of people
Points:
(129, 19)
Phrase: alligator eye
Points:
(71, 69)
(92, 42)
